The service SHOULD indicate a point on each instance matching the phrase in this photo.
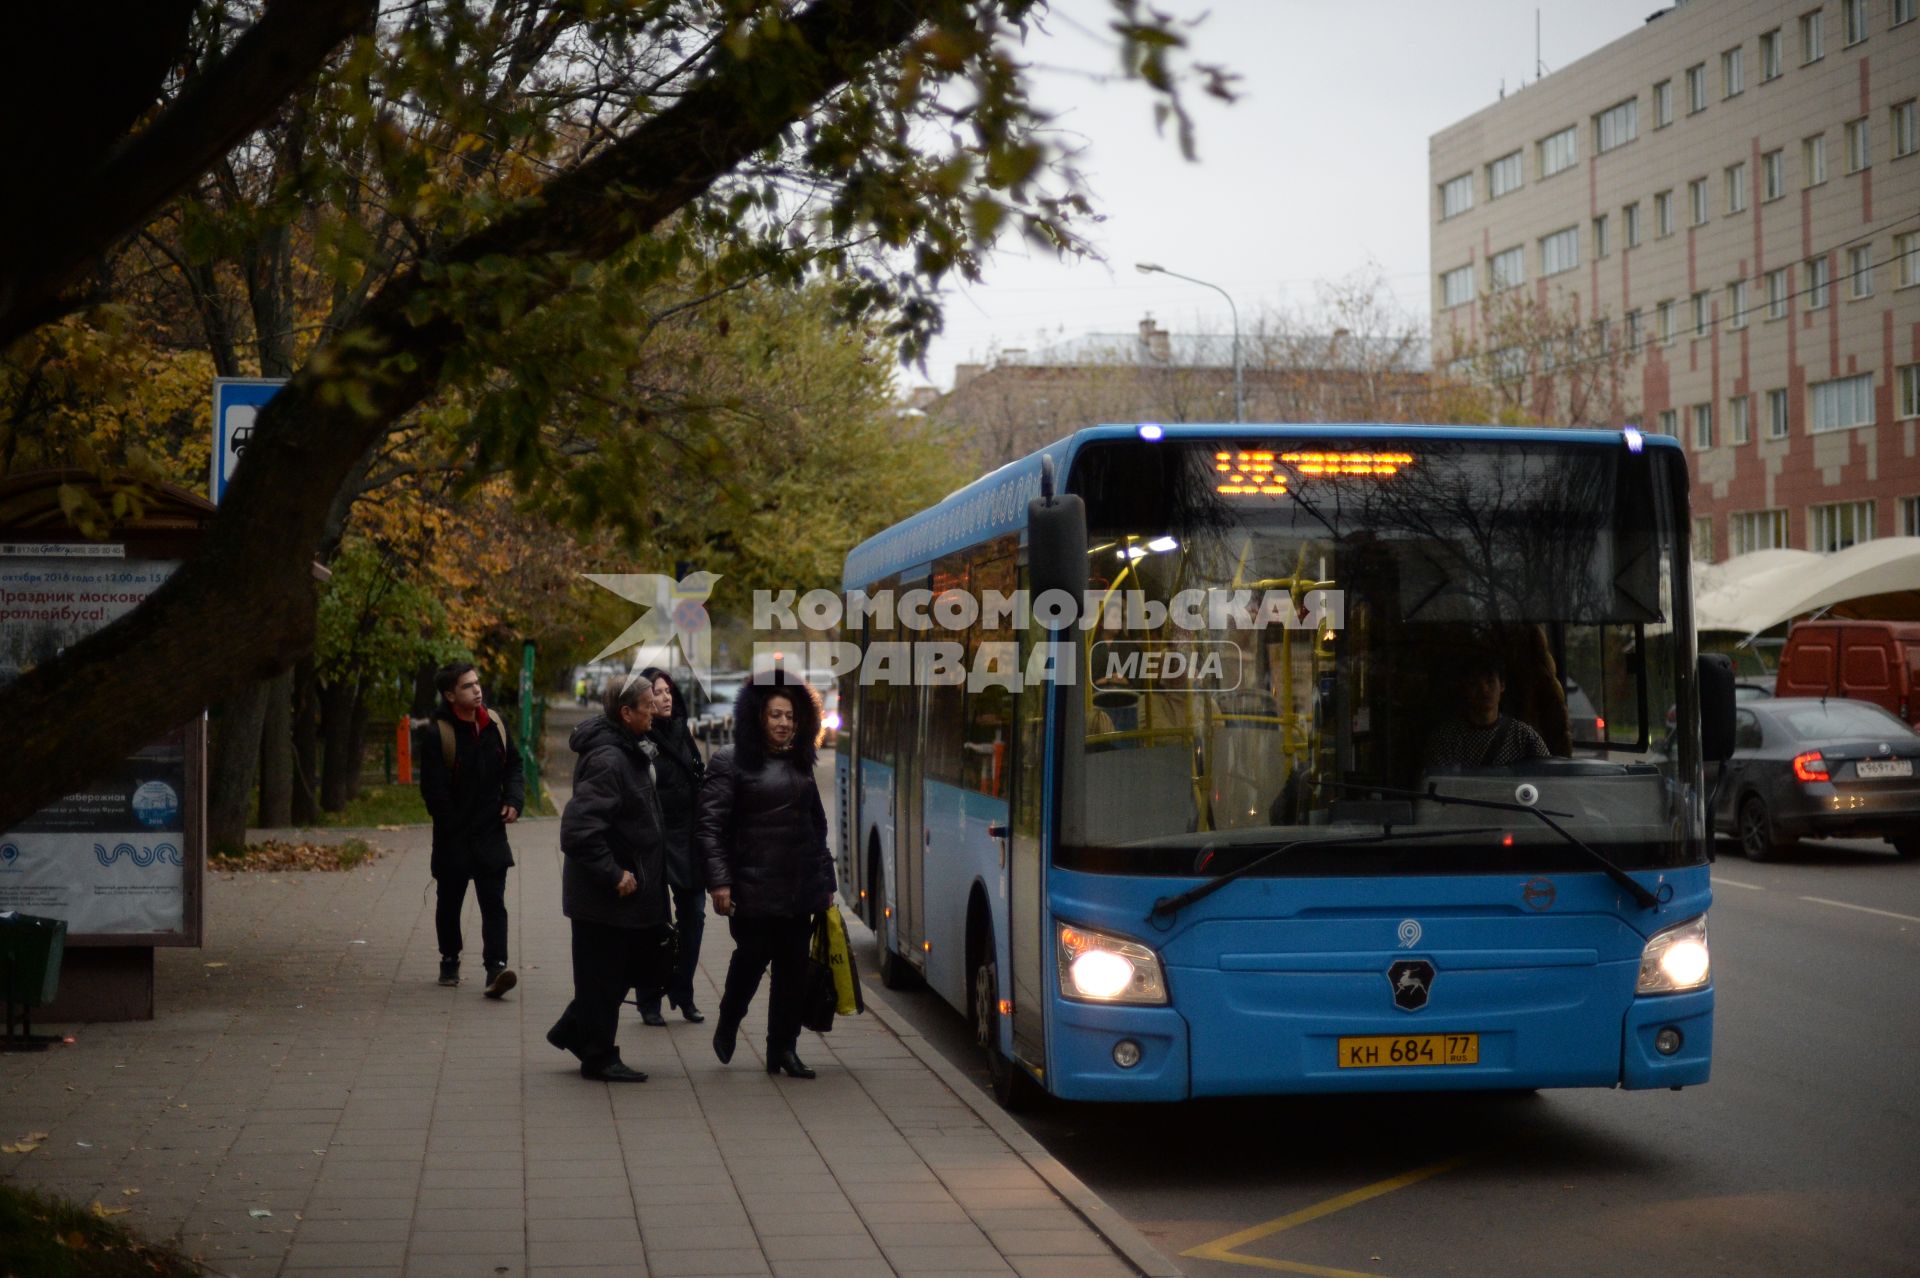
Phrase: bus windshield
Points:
(1341, 634)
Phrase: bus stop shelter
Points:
(1755, 592)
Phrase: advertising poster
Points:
(110, 859)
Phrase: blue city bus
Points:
(1433, 820)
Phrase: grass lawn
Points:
(46, 1237)
(401, 805)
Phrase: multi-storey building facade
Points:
(1734, 191)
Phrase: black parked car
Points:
(1803, 767)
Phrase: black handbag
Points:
(656, 951)
(821, 999)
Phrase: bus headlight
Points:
(1676, 959)
(1099, 968)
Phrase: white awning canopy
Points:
(1753, 592)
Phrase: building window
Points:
(1777, 418)
(1702, 314)
(1504, 176)
(1616, 126)
(1856, 16)
(1456, 286)
(1773, 175)
(1902, 11)
(1737, 304)
(1507, 269)
(1906, 255)
(1751, 530)
(1733, 74)
(1770, 55)
(1558, 151)
(1697, 201)
(1840, 404)
(1860, 270)
(1633, 330)
(1812, 42)
(1663, 324)
(1813, 159)
(1662, 214)
(1560, 251)
(1905, 138)
(1702, 427)
(1818, 273)
(1630, 224)
(1696, 88)
(1909, 397)
(1910, 516)
(1859, 147)
(1737, 187)
(1739, 420)
(1703, 539)
(1600, 245)
(1669, 423)
(1663, 104)
(1839, 524)
(1778, 287)
(1456, 196)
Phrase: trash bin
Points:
(30, 952)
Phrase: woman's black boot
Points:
(788, 1063)
(723, 1039)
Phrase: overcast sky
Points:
(1318, 171)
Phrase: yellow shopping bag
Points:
(846, 978)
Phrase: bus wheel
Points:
(1012, 1087)
(895, 972)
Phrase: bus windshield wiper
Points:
(1645, 899)
(1170, 905)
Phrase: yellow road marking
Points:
(1227, 1248)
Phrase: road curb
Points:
(1112, 1227)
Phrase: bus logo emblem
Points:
(1539, 894)
(1412, 980)
(1409, 933)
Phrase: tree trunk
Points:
(276, 755)
(233, 762)
(305, 808)
(356, 741)
(336, 744)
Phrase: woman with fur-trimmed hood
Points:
(761, 834)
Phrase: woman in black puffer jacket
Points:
(677, 773)
(613, 883)
(761, 832)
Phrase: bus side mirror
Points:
(1716, 707)
(1057, 545)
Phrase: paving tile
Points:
(920, 1260)
(1049, 1242)
(589, 1249)
(346, 1257)
(354, 1230)
(706, 1263)
(1070, 1267)
(466, 1242)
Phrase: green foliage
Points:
(376, 627)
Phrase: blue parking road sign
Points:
(237, 401)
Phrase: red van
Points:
(1877, 661)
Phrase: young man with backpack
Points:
(471, 781)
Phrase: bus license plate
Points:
(1391, 1051)
(1883, 768)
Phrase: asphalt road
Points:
(1800, 1157)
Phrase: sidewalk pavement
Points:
(309, 1101)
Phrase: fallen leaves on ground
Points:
(103, 1211)
(277, 854)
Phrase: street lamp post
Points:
(1239, 384)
